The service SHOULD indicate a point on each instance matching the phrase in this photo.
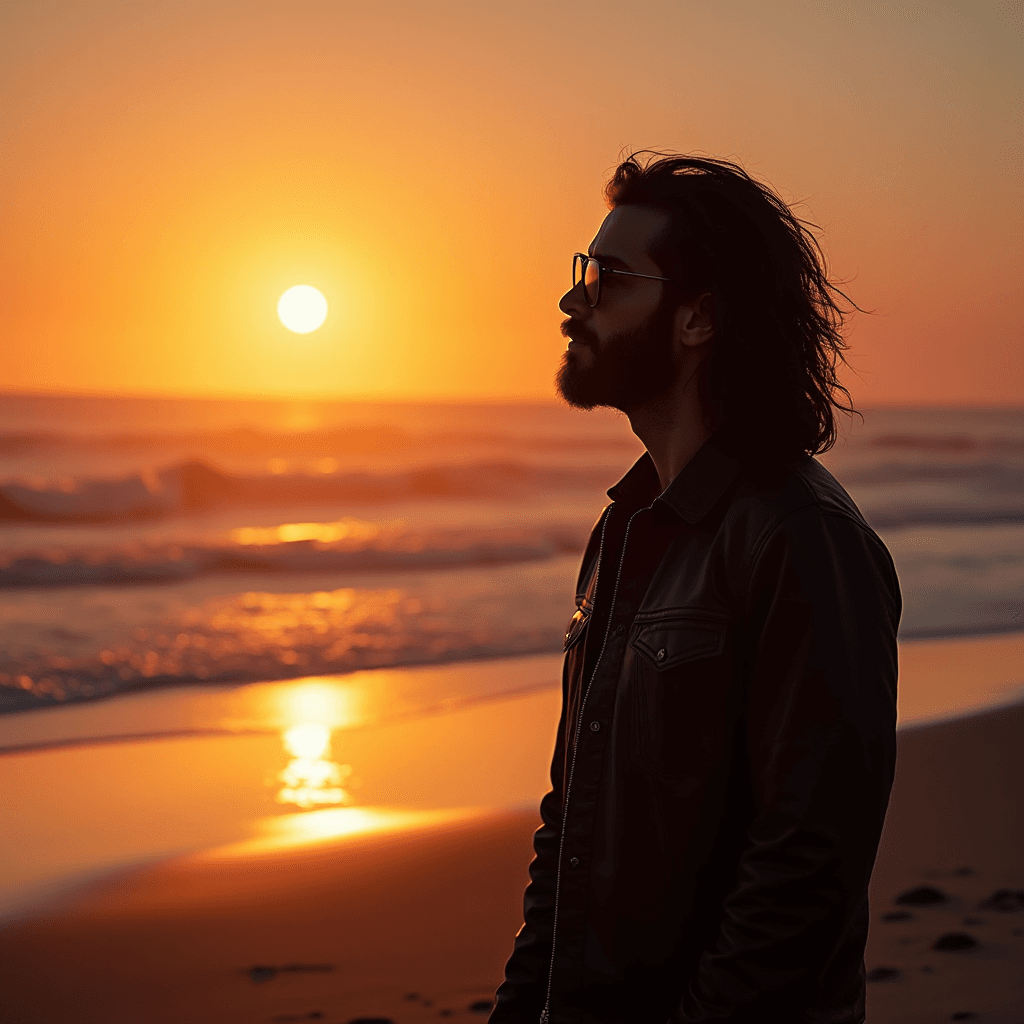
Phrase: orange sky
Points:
(171, 168)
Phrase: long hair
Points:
(769, 380)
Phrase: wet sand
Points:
(414, 921)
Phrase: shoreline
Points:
(994, 660)
(9, 710)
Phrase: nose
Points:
(572, 303)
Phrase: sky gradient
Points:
(170, 169)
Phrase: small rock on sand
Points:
(481, 1006)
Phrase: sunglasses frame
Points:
(582, 259)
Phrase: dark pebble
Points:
(955, 940)
(973, 920)
(445, 1013)
(898, 915)
(481, 1006)
(963, 872)
(963, 1015)
(884, 973)
(1006, 901)
(412, 995)
(260, 974)
(922, 896)
(927, 969)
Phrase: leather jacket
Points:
(723, 761)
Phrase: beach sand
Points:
(414, 919)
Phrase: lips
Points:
(576, 333)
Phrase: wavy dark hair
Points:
(769, 381)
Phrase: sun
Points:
(302, 309)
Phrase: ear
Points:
(694, 324)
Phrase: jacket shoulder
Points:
(767, 496)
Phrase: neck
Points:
(673, 427)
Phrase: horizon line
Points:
(413, 399)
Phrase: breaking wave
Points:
(345, 545)
(198, 486)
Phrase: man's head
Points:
(748, 310)
(633, 345)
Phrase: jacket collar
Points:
(694, 491)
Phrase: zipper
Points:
(545, 1014)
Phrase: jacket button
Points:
(594, 726)
(661, 654)
(574, 862)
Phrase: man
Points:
(727, 739)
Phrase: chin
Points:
(578, 387)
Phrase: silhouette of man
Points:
(726, 745)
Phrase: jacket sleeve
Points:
(520, 998)
(822, 613)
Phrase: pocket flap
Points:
(577, 627)
(666, 644)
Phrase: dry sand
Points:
(416, 924)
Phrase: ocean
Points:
(167, 543)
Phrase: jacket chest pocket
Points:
(680, 686)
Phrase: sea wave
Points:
(263, 635)
(927, 489)
(198, 486)
(344, 545)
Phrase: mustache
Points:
(575, 331)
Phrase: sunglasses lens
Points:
(592, 281)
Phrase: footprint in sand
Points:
(922, 896)
(953, 941)
(1005, 901)
(898, 915)
(884, 974)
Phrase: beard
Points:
(632, 367)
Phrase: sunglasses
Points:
(586, 269)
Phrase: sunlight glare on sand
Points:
(311, 778)
(311, 739)
(290, 831)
